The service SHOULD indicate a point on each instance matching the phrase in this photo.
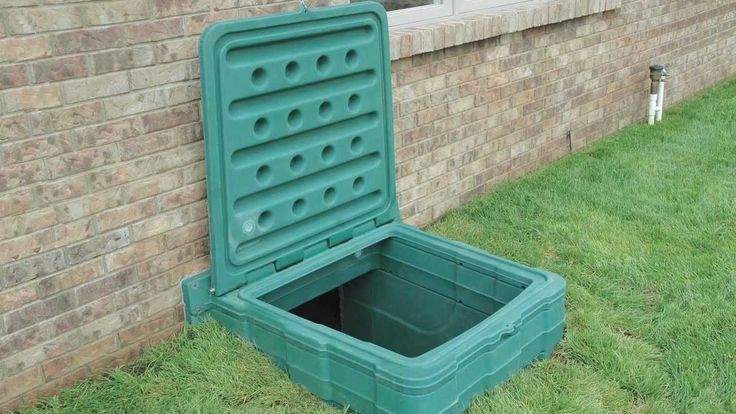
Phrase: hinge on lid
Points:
(297, 256)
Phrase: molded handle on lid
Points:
(509, 330)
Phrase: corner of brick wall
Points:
(102, 193)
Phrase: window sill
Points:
(428, 37)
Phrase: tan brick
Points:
(18, 152)
(182, 93)
(138, 332)
(170, 117)
(107, 133)
(13, 76)
(413, 74)
(23, 360)
(14, 127)
(24, 246)
(119, 358)
(69, 278)
(123, 173)
(134, 103)
(76, 358)
(182, 196)
(106, 285)
(134, 253)
(52, 70)
(177, 7)
(31, 97)
(163, 300)
(159, 75)
(82, 160)
(88, 40)
(167, 334)
(96, 14)
(159, 224)
(74, 231)
(15, 202)
(43, 19)
(95, 87)
(98, 246)
(126, 214)
(14, 298)
(25, 48)
(13, 176)
(27, 223)
(148, 187)
(66, 118)
(121, 59)
(63, 189)
(189, 233)
(51, 388)
(177, 49)
(194, 24)
(154, 30)
(147, 144)
(18, 384)
(86, 334)
(39, 311)
(167, 261)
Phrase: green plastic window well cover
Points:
(297, 114)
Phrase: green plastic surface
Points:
(310, 261)
(395, 320)
(299, 148)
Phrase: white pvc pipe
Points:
(652, 108)
(660, 101)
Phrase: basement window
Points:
(410, 12)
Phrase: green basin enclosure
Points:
(310, 260)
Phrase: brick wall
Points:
(102, 198)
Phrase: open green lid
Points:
(298, 136)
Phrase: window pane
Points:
(391, 5)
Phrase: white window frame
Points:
(414, 16)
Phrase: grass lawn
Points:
(642, 226)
